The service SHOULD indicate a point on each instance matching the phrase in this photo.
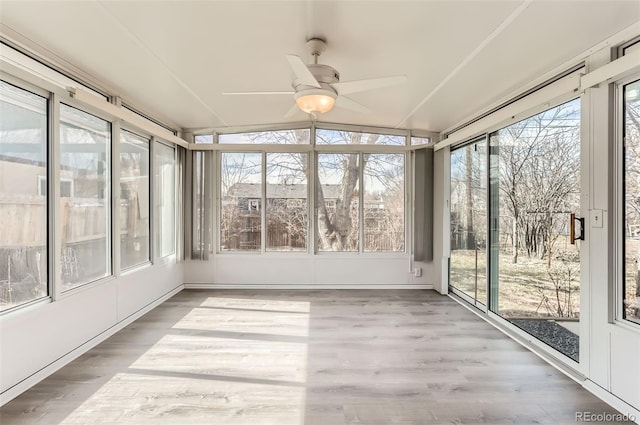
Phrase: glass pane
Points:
(632, 201)
(204, 139)
(535, 186)
(287, 208)
(337, 201)
(85, 207)
(384, 202)
(165, 175)
(241, 198)
(198, 203)
(420, 140)
(134, 200)
(335, 137)
(23, 196)
(267, 137)
(468, 260)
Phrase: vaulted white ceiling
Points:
(174, 59)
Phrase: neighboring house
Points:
(287, 211)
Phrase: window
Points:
(240, 196)
(204, 139)
(534, 182)
(85, 158)
(468, 220)
(336, 137)
(23, 206)
(287, 207)
(165, 199)
(360, 196)
(383, 202)
(281, 137)
(264, 197)
(420, 141)
(337, 201)
(631, 134)
(134, 200)
(201, 205)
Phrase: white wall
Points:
(306, 270)
(613, 347)
(37, 340)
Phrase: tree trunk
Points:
(469, 237)
(514, 258)
(342, 223)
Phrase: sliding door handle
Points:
(572, 229)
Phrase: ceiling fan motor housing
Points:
(324, 74)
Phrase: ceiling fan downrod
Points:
(316, 46)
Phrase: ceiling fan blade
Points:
(302, 73)
(291, 112)
(371, 84)
(346, 103)
(251, 93)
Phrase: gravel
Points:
(552, 334)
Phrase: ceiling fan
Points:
(317, 88)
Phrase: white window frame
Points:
(619, 206)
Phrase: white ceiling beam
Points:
(499, 29)
(118, 112)
(615, 70)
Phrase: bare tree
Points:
(632, 200)
(539, 170)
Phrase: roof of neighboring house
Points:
(282, 191)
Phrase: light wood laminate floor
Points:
(324, 357)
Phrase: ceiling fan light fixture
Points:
(316, 100)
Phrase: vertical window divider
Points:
(263, 203)
(180, 179)
(189, 217)
(312, 182)
(311, 195)
(215, 205)
(115, 198)
(218, 200)
(408, 203)
(208, 188)
(152, 200)
(54, 225)
(361, 221)
(487, 247)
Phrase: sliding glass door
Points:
(535, 194)
(530, 219)
(468, 261)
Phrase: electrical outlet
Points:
(417, 272)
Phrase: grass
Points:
(527, 288)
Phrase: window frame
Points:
(619, 309)
(312, 150)
(149, 140)
(60, 291)
(49, 206)
(156, 250)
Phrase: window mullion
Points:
(263, 202)
(361, 202)
(53, 206)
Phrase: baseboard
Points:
(303, 286)
(22, 386)
(621, 406)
